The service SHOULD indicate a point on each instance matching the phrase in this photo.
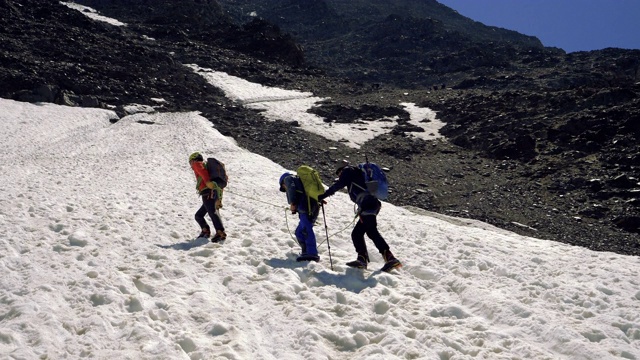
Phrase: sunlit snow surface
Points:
(291, 105)
(97, 262)
(93, 14)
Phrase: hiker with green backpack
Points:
(302, 192)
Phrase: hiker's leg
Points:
(200, 217)
(369, 210)
(300, 236)
(307, 234)
(370, 225)
(209, 202)
(357, 237)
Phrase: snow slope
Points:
(97, 262)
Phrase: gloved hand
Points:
(293, 208)
(321, 198)
(218, 204)
(211, 185)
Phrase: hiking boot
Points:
(390, 261)
(387, 255)
(219, 236)
(308, 257)
(206, 233)
(360, 262)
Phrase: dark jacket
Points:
(352, 178)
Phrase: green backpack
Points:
(311, 182)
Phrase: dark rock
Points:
(628, 223)
(624, 182)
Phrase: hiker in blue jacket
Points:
(298, 203)
(369, 206)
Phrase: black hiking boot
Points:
(205, 234)
(219, 236)
(390, 261)
(360, 262)
(308, 257)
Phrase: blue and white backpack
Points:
(375, 179)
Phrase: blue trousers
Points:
(305, 235)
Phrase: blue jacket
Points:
(297, 196)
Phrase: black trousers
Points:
(368, 225)
(209, 199)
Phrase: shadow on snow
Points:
(353, 280)
(187, 245)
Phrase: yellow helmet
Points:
(195, 156)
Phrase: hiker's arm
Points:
(292, 193)
(341, 183)
(291, 190)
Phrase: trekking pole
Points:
(326, 230)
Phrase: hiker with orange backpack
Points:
(307, 209)
(211, 192)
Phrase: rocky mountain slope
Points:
(409, 43)
(540, 142)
